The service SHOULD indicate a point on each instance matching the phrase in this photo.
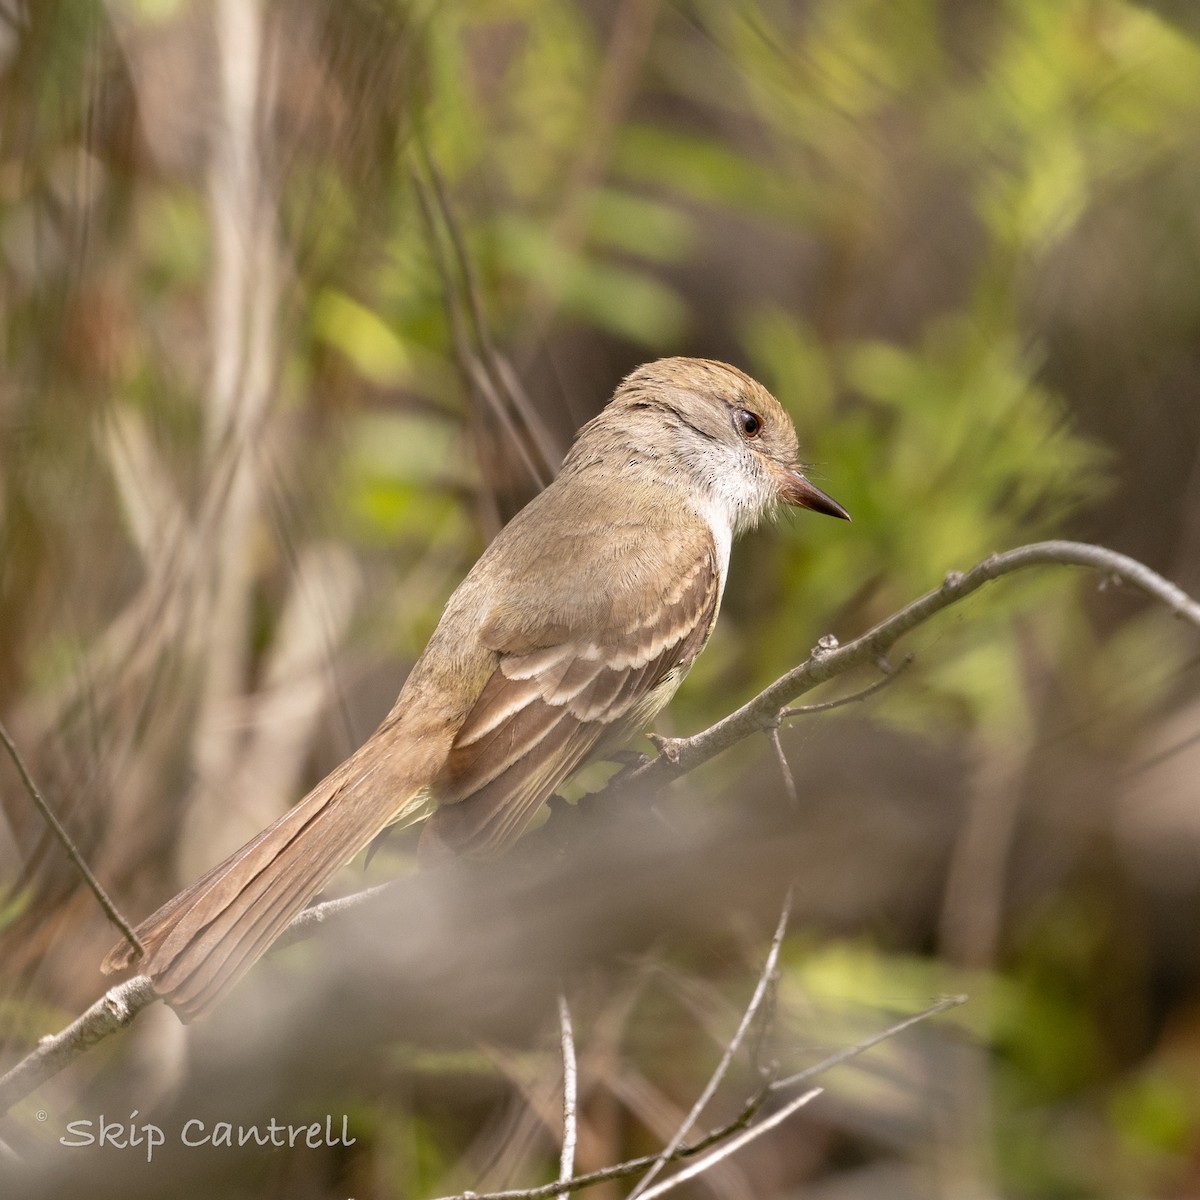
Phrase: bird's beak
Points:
(795, 489)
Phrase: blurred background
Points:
(298, 303)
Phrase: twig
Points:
(829, 659)
(890, 675)
(734, 1144)
(840, 1056)
(113, 1011)
(765, 979)
(501, 374)
(64, 838)
(474, 371)
(119, 1005)
(566, 1165)
(785, 770)
(548, 1191)
(304, 924)
(686, 754)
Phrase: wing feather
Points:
(547, 706)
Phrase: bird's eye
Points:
(749, 424)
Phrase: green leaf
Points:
(622, 220)
(362, 336)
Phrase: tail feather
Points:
(200, 943)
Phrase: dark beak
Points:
(795, 489)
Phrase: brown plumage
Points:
(571, 631)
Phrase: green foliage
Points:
(369, 342)
(613, 297)
(1156, 1115)
(938, 232)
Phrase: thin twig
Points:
(566, 1163)
(840, 1056)
(119, 1005)
(686, 754)
(474, 371)
(550, 1191)
(304, 924)
(501, 374)
(890, 675)
(64, 838)
(829, 659)
(766, 978)
(785, 770)
(113, 1011)
(734, 1144)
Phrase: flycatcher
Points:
(569, 634)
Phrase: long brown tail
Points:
(199, 944)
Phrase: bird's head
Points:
(725, 430)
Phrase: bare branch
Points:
(113, 1011)
(482, 365)
(566, 1167)
(766, 979)
(840, 1056)
(785, 770)
(502, 375)
(680, 756)
(890, 675)
(829, 659)
(64, 838)
(734, 1144)
(119, 1005)
(473, 368)
(474, 371)
(305, 923)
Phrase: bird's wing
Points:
(557, 691)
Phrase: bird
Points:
(571, 632)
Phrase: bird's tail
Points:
(199, 944)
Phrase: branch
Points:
(550, 1191)
(890, 675)
(502, 375)
(482, 366)
(734, 1144)
(570, 1095)
(305, 923)
(113, 1011)
(681, 755)
(119, 1005)
(785, 770)
(848, 1052)
(56, 827)
(766, 978)
(471, 364)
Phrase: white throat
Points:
(716, 515)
